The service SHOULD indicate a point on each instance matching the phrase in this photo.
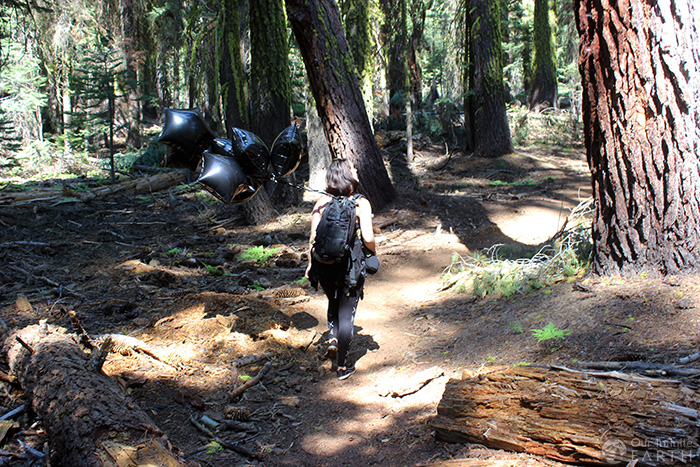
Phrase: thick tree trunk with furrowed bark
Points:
(640, 67)
(319, 33)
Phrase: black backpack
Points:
(336, 230)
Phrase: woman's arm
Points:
(315, 219)
(366, 227)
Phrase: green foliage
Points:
(259, 254)
(550, 332)
(22, 90)
(214, 271)
(506, 271)
(213, 447)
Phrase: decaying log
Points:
(149, 184)
(88, 419)
(574, 416)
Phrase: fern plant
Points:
(550, 331)
(259, 254)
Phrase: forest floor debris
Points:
(165, 269)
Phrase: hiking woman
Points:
(343, 292)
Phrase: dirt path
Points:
(399, 338)
(167, 268)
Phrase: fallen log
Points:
(150, 184)
(572, 416)
(88, 419)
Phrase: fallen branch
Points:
(78, 329)
(99, 355)
(416, 382)
(689, 359)
(48, 281)
(250, 359)
(125, 345)
(13, 412)
(225, 444)
(236, 393)
(645, 368)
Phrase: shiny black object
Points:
(251, 153)
(225, 179)
(286, 151)
(187, 135)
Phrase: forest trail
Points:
(167, 268)
(402, 346)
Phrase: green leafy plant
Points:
(173, 251)
(503, 270)
(214, 271)
(213, 447)
(259, 254)
(550, 331)
(206, 198)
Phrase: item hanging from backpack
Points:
(336, 230)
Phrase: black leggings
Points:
(342, 305)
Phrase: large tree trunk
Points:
(544, 67)
(641, 107)
(233, 85)
(485, 115)
(319, 153)
(87, 417)
(317, 28)
(394, 31)
(576, 417)
(358, 33)
(270, 84)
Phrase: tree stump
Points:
(605, 418)
(87, 417)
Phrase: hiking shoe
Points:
(331, 352)
(344, 373)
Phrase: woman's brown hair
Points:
(340, 180)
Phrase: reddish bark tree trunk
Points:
(319, 32)
(641, 106)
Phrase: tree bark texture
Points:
(640, 68)
(233, 88)
(320, 156)
(319, 33)
(87, 417)
(258, 209)
(544, 67)
(394, 32)
(572, 416)
(270, 85)
(485, 107)
(271, 92)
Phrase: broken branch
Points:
(250, 383)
